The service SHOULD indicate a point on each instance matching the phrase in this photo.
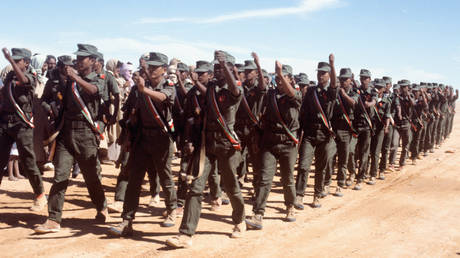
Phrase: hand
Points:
(386, 129)
(220, 56)
(194, 77)
(188, 148)
(69, 71)
(140, 82)
(278, 68)
(456, 92)
(256, 58)
(6, 53)
(331, 59)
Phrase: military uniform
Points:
(404, 123)
(247, 125)
(218, 149)
(77, 141)
(317, 139)
(386, 144)
(152, 132)
(345, 132)
(363, 128)
(13, 128)
(419, 122)
(381, 117)
(194, 109)
(277, 146)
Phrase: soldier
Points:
(386, 144)
(79, 138)
(315, 115)
(278, 143)
(222, 99)
(247, 124)
(381, 123)
(194, 104)
(364, 114)
(303, 83)
(395, 139)
(404, 109)
(419, 120)
(342, 122)
(452, 100)
(153, 109)
(16, 122)
(443, 109)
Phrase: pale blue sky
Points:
(417, 40)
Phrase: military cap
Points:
(286, 70)
(387, 79)
(416, 87)
(240, 67)
(100, 56)
(182, 67)
(249, 65)
(20, 53)
(423, 85)
(413, 85)
(228, 58)
(379, 83)
(264, 73)
(345, 73)
(396, 86)
(303, 79)
(365, 73)
(65, 60)
(86, 50)
(441, 86)
(404, 83)
(312, 83)
(203, 66)
(324, 67)
(157, 59)
(429, 85)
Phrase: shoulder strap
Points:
(167, 127)
(346, 116)
(248, 110)
(85, 112)
(19, 111)
(366, 115)
(220, 120)
(323, 115)
(274, 105)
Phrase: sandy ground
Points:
(412, 213)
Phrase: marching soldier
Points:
(153, 145)
(78, 139)
(315, 116)
(221, 145)
(381, 123)
(342, 122)
(364, 114)
(16, 121)
(278, 143)
(404, 109)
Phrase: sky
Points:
(417, 40)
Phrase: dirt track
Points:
(413, 213)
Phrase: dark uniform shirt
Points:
(289, 108)
(228, 105)
(311, 118)
(71, 107)
(53, 94)
(360, 114)
(254, 98)
(406, 109)
(382, 110)
(338, 120)
(164, 108)
(22, 94)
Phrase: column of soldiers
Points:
(221, 118)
